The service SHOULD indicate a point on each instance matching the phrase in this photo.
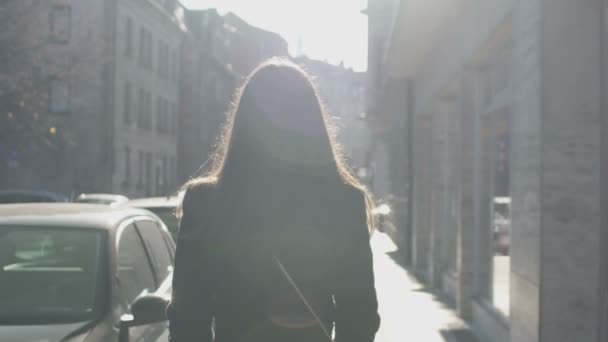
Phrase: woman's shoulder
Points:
(353, 195)
(197, 191)
(345, 202)
(356, 207)
(200, 185)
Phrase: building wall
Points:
(570, 170)
(207, 86)
(249, 45)
(524, 80)
(89, 158)
(146, 125)
(93, 65)
(342, 92)
(75, 65)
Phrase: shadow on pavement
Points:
(398, 258)
(454, 331)
(458, 335)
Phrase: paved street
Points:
(409, 311)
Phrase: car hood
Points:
(39, 333)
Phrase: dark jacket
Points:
(266, 270)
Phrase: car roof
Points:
(70, 215)
(153, 202)
(103, 196)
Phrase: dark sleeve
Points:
(357, 317)
(189, 312)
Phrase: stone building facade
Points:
(147, 49)
(67, 58)
(501, 107)
(113, 96)
(207, 86)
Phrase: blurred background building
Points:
(342, 91)
(207, 85)
(118, 96)
(219, 52)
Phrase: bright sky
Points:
(332, 30)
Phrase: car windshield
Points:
(49, 274)
(167, 214)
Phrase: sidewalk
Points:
(409, 312)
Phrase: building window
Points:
(162, 124)
(164, 179)
(60, 24)
(169, 64)
(174, 66)
(159, 58)
(129, 37)
(144, 120)
(140, 169)
(149, 117)
(159, 115)
(141, 108)
(379, 62)
(127, 166)
(127, 104)
(163, 60)
(149, 51)
(148, 173)
(145, 48)
(59, 96)
(166, 117)
(174, 119)
(142, 46)
(147, 110)
(172, 171)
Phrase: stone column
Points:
(556, 226)
(465, 198)
(439, 175)
(421, 182)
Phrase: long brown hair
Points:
(278, 122)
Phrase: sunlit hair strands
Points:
(277, 122)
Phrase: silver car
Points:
(83, 272)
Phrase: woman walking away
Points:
(274, 241)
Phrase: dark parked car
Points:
(79, 272)
(30, 196)
(163, 207)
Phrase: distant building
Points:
(250, 45)
(207, 86)
(342, 92)
(218, 53)
(147, 49)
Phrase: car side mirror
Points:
(146, 309)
